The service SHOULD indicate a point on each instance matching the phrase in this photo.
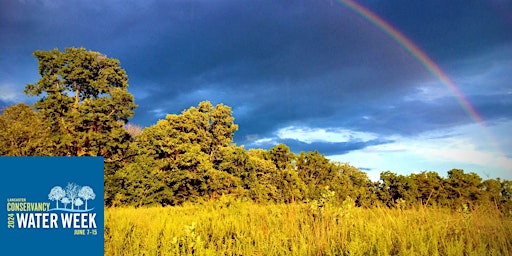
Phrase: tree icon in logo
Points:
(65, 201)
(56, 194)
(73, 194)
(79, 202)
(86, 193)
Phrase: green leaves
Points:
(23, 132)
(84, 101)
(82, 108)
(281, 156)
(182, 148)
(83, 104)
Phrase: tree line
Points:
(83, 109)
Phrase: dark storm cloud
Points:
(286, 61)
(494, 107)
(450, 29)
(276, 63)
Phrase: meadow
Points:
(230, 227)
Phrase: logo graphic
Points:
(48, 199)
(41, 215)
(73, 194)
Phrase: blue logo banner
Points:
(51, 206)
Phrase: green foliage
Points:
(355, 184)
(143, 183)
(83, 99)
(261, 180)
(182, 150)
(23, 132)
(281, 156)
(233, 160)
(191, 164)
(399, 187)
(317, 172)
(430, 188)
(463, 188)
(83, 107)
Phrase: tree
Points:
(180, 151)
(463, 187)
(221, 126)
(491, 191)
(506, 197)
(221, 183)
(143, 183)
(354, 183)
(430, 188)
(79, 202)
(290, 185)
(85, 102)
(281, 156)
(86, 193)
(233, 160)
(72, 190)
(65, 201)
(316, 171)
(23, 132)
(397, 187)
(56, 194)
(262, 178)
(207, 126)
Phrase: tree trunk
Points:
(77, 96)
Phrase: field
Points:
(229, 227)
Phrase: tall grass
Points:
(244, 228)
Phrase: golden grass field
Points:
(229, 227)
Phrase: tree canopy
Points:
(23, 132)
(84, 100)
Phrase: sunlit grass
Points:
(243, 228)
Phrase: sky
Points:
(313, 74)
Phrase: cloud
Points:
(10, 93)
(327, 141)
(333, 135)
(310, 73)
(283, 62)
(461, 29)
(331, 148)
(463, 152)
(469, 147)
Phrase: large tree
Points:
(174, 158)
(84, 99)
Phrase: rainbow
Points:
(416, 53)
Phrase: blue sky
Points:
(311, 74)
